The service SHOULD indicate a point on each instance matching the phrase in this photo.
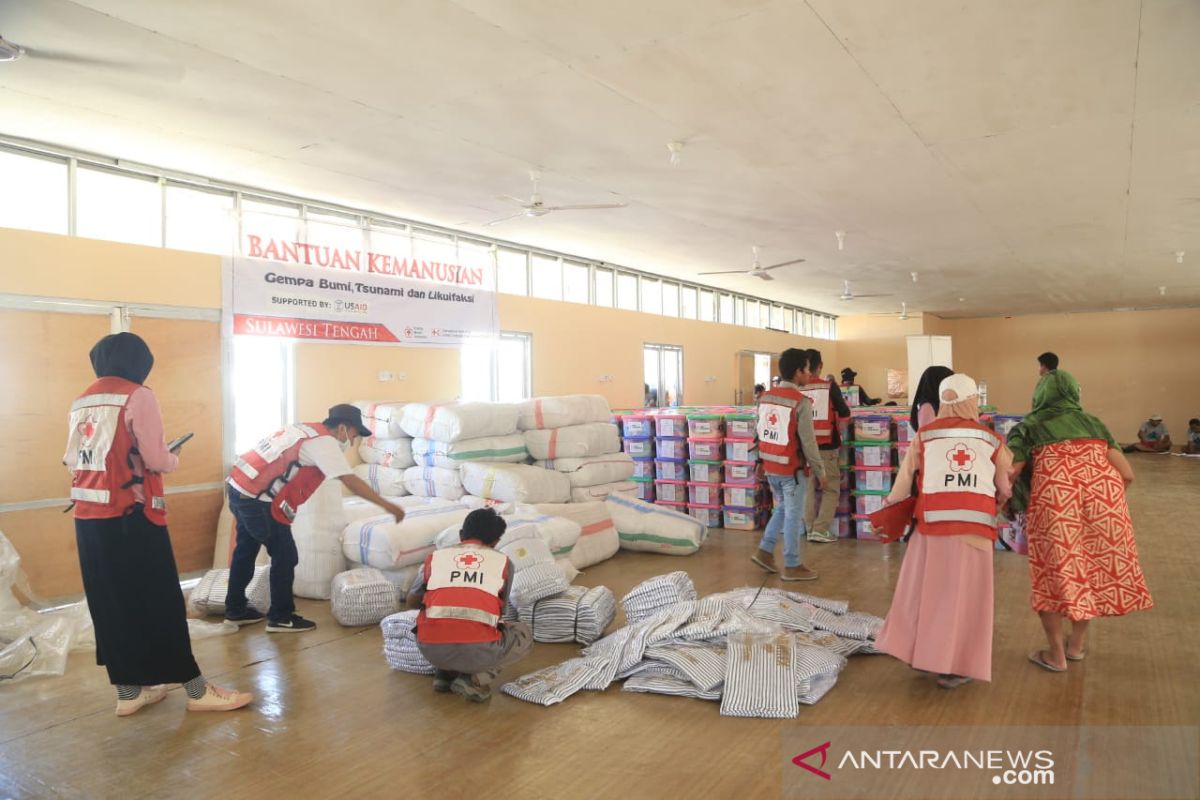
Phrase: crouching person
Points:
(461, 591)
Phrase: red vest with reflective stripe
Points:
(104, 460)
(958, 479)
(823, 415)
(272, 471)
(778, 443)
(462, 602)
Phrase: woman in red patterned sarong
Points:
(1082, 554)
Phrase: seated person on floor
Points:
(1153, 437)
(462, 591)
(1192, 445)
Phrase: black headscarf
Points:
(122, 355)
(927, 390)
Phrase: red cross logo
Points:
(773, 419)
(87, 428)
(467, 561)
(961, 458)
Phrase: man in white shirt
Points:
(266, 487)
(1153, 437)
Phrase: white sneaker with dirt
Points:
(822, 537)
(149, 696)
(217, 698)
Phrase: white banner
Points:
(337, 295)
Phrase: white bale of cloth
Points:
(434, 482)
(387, 481)
(448, 455)
(401, 580)
(208, 597)
(592, 470)
(654, 528)
(317, 530)
(452, 422)
(383, 543)
(362, 597)
(526, 552)
(356, 508)
(560, 533)
(500, 506)
(579, 614)
(567, 569)
(382, 418)
(400, 644)
(515, 483)
(597, 535)
(576, 441)
(541, 413)
(536, 582)
(395, 453)
(657, 593)
(595, 494)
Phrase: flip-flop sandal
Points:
(952, 681)
(1036, 658)
(1079, 657)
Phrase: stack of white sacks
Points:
(388, 453)
(574, 435)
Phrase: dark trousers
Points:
(257, 528)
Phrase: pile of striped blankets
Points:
(759, 652)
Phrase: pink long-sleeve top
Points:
(143, 420)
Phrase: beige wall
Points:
(1130, 364)
(872, 345)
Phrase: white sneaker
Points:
(822, 537)
(149, 696)
(217, 698)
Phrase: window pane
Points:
(687, 300)
(739, 311)
(342, 233)
(433, 247)
(514, 277)
(394, 242)
(604, 287)
(779, 318)
(475, 368)
(751, 319)
(200, 221)
(764, 315)
(650, 364)
(512, 363)
(627, 292)
(259, 385)
(35, 194)
(651, 296)
(478, 255)
(726, 309)
(547, 278)
(762, 369)
(670, 299)
(833, 328)
(263, 222)
(705, 310)
(672, 377)
(118, 208)
(575, 282)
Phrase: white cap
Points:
(1156, 418)
(962, 385)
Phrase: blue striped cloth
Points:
(760, 677)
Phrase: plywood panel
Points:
(45, 539)
(187, 381)
(44, 366)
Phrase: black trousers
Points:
(256, 528)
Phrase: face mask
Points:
(344, 445)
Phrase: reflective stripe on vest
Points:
(960, 515)
(772, 457)
(463, 613)
(93, 400)
(89, 495)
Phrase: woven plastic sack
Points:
(452, 422)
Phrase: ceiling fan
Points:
(159, 70)
(536, 207)
(903, 314)
(848, 293)
(757, 270)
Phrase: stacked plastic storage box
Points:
(744, 490)
(843, 522)
(670, 460)
(637, 439)
(706, 466)
(873, 466)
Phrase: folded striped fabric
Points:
(362, 597)
(703, 664)
(655, 593)
(537, 582)
(400, 644)
(552, 684)
(833, 606)
(852, 625)
(658, 683)
(817, 671)
(760, 677)
(577, 615)
(209, 595)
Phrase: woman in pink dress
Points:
(940, 620)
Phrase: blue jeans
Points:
(788, 516)
(257, 528)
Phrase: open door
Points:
(753, 368)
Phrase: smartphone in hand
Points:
(178, 443)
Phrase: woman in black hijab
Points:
(928, 400)
(117, 455)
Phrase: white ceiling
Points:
(1020, 154)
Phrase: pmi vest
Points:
(104, 460)
(272, 472)
(823, 414)
(778, 442)
(462, 602)
(958, 478)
